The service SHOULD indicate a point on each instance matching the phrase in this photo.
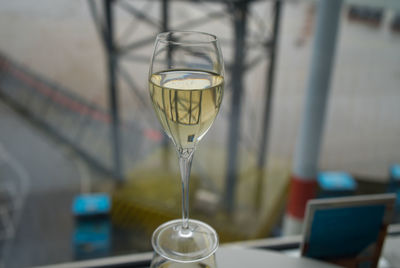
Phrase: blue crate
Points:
(92, 234)
(395, 172)
(91, 205)
(91, 238)
(394, 183)
(335, 183)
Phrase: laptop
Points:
(348, 231)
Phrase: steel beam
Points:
(112, 66)
(239, 11)
(271, 51)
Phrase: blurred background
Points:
(85, 169)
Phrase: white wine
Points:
(186, 103)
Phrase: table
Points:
(254, 258)
(227, 257)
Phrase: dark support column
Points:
(272, 51)
(239, 24)
(269, 86)
(164, 10)
(165, 28)
(112, 65)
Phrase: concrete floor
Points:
(39, 179)
(53, 179)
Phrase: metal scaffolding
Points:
(238, 11)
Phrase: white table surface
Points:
(227, 257)
(254, 258)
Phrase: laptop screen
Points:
(347, 230)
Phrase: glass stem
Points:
(185, 164)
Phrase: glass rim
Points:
(162, 37)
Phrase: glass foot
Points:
(195, 243)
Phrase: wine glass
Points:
(186, 84)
